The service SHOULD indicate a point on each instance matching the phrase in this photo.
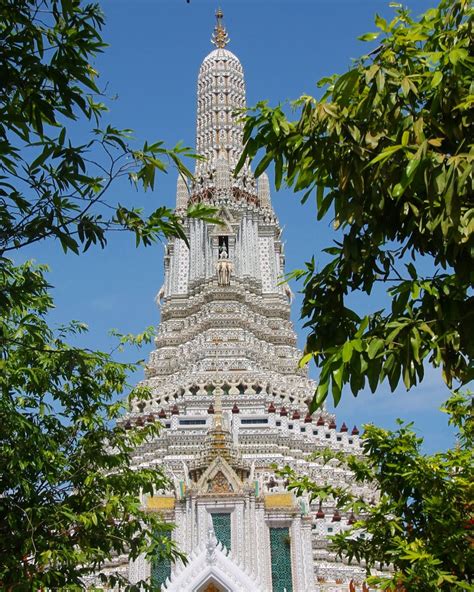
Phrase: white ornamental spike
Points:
(264, 191)
(211, 542)
(182, 194)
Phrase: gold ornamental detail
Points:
(219, 37)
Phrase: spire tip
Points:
(220, 38)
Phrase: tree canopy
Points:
(51, 187)
(387, 153)
(420, 526)
(69, 497)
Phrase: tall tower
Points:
(226, 385)
(225, 310)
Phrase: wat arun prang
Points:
(227, 388)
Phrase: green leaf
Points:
(381, 23)
(263, 164)
(362, 327)
(305, 360)
(386, 153)
(412, 271)
(45, 154)
(345, 86)
(337, 375)
(319, 396)
(398, 190)
(457, 54)
(405, 86)
(380, 80)
(374, 374)
(278, 172)
(375, 346)
(415, 342)
(68, 243)
(371, 72)
(347, 349)
(411, 167)
(368, 37)
(437, 78)
(325, 204)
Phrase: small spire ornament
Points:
(219, 37)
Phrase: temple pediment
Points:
(211, 568)
(228, 226)
(219, 478)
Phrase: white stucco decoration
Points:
(211, 562)
(224, 380)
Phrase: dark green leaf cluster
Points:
(69, 498)
(421, 526)
(50, 186)
(387, 152)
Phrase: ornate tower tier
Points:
(225, 307)
(221, 95)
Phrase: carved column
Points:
(239, 522)
(139, 569)
(297, 555)
(307, 548)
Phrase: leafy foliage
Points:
(422, 524)
(51, 187)
(388, 153)
(70, 498)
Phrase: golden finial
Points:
(219, 37)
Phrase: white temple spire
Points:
(226, 345)
(182, 194)
(221, 93)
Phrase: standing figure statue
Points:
(161, 294)
(224, 267)
(288, 292)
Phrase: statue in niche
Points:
(187, 480)
(224, 267)
(252, 472)
(177, 488)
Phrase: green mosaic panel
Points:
(160, 570)
(221, 523)
(280, 549)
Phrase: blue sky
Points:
(149, 71)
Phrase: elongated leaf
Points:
(368, 37)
